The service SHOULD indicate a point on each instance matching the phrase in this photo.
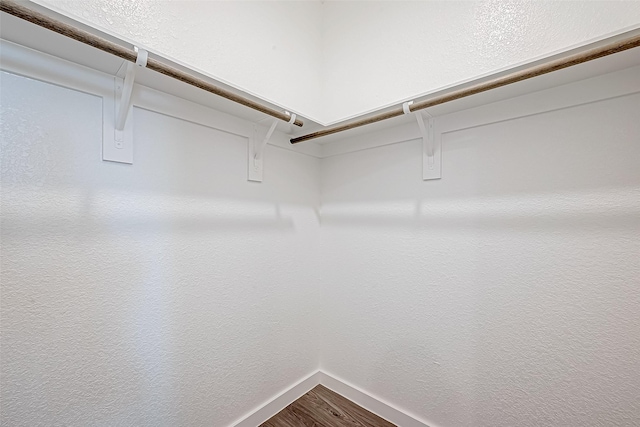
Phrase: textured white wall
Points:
(505, 294)
(161, 293)
(269, 48)
(380, 53)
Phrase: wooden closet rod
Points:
(14, 8)
(534, 71)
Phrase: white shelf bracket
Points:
(431, 144)
(257, 146)
(119, 148)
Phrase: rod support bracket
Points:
(124, 104)
(120, 148)
(431, 143)
(257, 146)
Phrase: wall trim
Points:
(276, 404)
(37, 65)
(367, 400)
(372, 403)
(30, 63)
(588, 91)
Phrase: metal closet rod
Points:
(534, 71)
(14, 8)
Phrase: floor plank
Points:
(322, 407)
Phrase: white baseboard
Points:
(343, 388)
(371, 403)
(278, 403)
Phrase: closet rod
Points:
(14, 8)
(534, 71)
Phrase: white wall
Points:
(161, 293)
(384, 52)
(505, 294)
(268, 48)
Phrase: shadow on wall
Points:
(546, 171)
(615, 209)
(91, 213)
(185, 177)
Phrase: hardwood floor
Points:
(322, 407)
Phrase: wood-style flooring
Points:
(322, 407)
